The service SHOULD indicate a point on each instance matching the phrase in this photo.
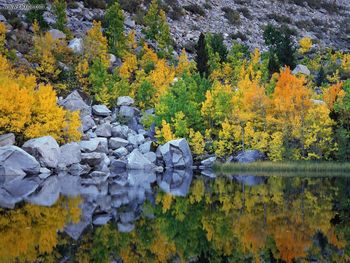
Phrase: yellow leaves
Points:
(197, 191)
(167, 199)
(291, 97)
(95, 44)
(332, 94)
(161, 78)
(226, 141)
(345, 62)
(2, 37)
(276, 148)
(196, 142)
(82, 71)
(164, 134)
(44, 48)
(305, 45)
(30, 231)
(31, 112)
(129, 66)
(183, 66)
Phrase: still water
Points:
(187, 218)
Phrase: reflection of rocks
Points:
(112, 168)
(49, 193)
(176, 182)
(250, 180)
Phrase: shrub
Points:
(239, 35)
(176, 13)
(231, 15)
(130, 6)
(279, 18)
(37, 14)
(59, 9)
(101, 4)
(195, 9)
(245, 12)
(31, 112)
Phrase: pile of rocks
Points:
(113, 165)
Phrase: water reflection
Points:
(172, 217)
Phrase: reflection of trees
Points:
(279, 219)
(30, 231)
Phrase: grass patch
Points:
(306, 167)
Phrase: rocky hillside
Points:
(325, 21)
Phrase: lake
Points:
(181, 217)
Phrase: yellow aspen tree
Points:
(128, 67)
(82, 72)
(161, 78)
(2, 37)
(305, 45)
(331, 95)
(319, 137)
(276, 148)
(196, 142)
(291, 102)
(95, 44)
(183, 66)
(164, 134)
(33, 112)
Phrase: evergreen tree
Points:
(59, 9)
(202, 56)
(218, 46)
(37, 14)
(115, 29)
(321, 77)
(281, 47)
(152, 21)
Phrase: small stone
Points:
(87, 122)
(100, 220)
(127, 111)
(57, 34)
(76, 45)
(101, 110)
(120, 152)
(151, 156)
(91, 159)
(104, 130)
(115, 143)
(70, 154)
(145, 147)
(125, 101)
(7, 139)
(125, 228)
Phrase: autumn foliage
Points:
(32, 111)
